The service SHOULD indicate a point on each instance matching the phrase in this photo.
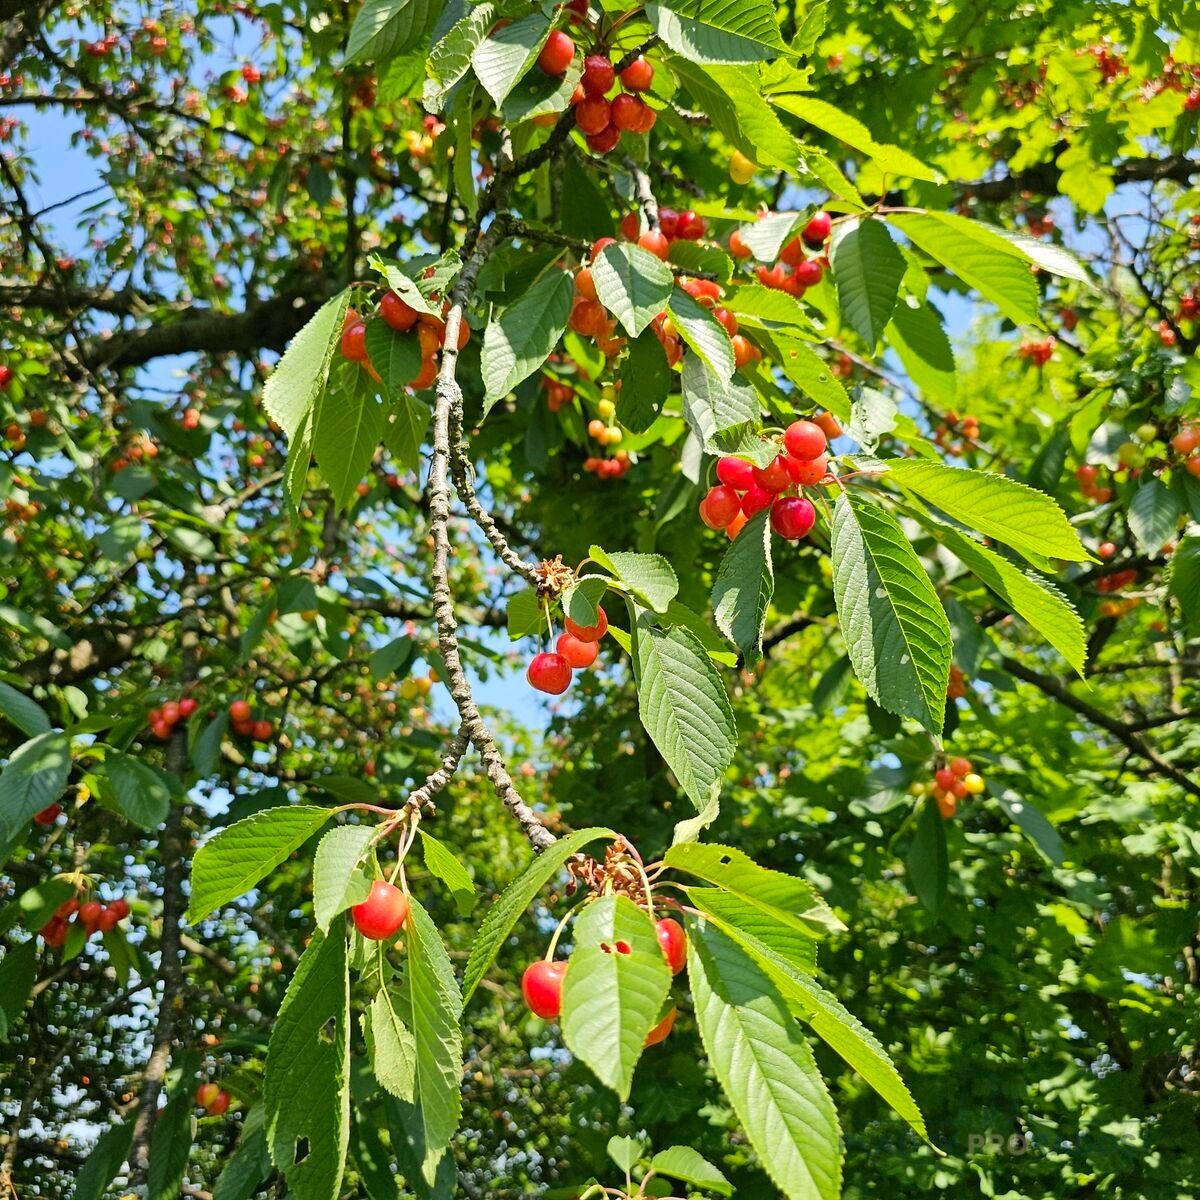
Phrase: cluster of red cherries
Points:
(1088, 478)
(542, 982)
(795, 272)
(953, 782)
(162, 720)
(1039, 352)
(600, 119)
(575, 650)
(91, 915)
(746, 489)
(212, 1099)
(402, 317)
(241, 716)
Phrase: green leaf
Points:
(525, 614)
(450, 58)
(392, 657)
(765, 1067)
(872, 414)
(1183, 580)
(649, 577)
(682, 1162)
(867, 269)
(702, 333)
(1019, 516)
(757, 925)
(1154, 515)
(396, 356)
(35, 777)
(299, 376)
(433, 1009)
(890, 159)
(811, 374)
(711, 260)
(391, 1046)
(625, 1151)
(444, 865)
(919, 339)
(1031, 597)
(894, 626)
(170, 1146)
(783, 899)
(103, 1161)
(306, 1089)
(717, 31)
(611, 1000)
(742, 592)
(773, 311)
(337, 881)
(22, 711)
(713, 406)
(18, 974)
(581, 601)
(231, 863)
(1047, 255)
(249, 1164)
(403, 284)
(645, 383)
(142, 793)
(683, 706)
(766, 236)
(927, 861)
(507, 53)
(979, 259)
(534, 96)
(385, 28)
(1033, 823)
(346, 431)
(517, 342)
(632, 284)
(500, 919)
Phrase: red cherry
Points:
(792, 253)
(707, 517)
(627, 111)
(944, 778)
(774, 476)
(6, 376)
(727, 319)
(169, 713)
(961, 767)
(206, 1093)
(723, 504)
(1106, 549)
(354, 342)
(737, 245)
(691, 225)
(239, 710)
(107, 920)
(792, 517)
(598, 74)
(549, 673)
(656, 242)
(599, 244)
(219, 1105)
(261, 731)
(755, 500)
(804, 439)
(556, 54)
(808, 471)
(818, 229)
(382, 913)
(668, 221)
(605, 141)
(673, 941)
(578, 654)
(54, 932)
(661, 1030)
(593, 114)
(396, 313)
(243, 728)
(48, 815)
(639, 75)
(542, 986)
(631, 225)
(646, 118)
(588, 317)
(89, 915)
(187, 706)
(161, 730)
(588, 633)
(736, 472)
(808, 272)
(68, 908)
(120, 906)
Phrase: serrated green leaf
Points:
(443, 865)
(337, 881)
(348, 423)
(682, 1162)
(867, 269)
(22, 711)
(702, 333)
(645, 383)
(745, 582)
(392, 1047)
(1183, 581)
(525, 614)
(713, 406)
(34, 778)
(917, 335)
(1154, 515)
(383, 29)
(742, 918)
(1031, 597)
(299, 376)
(517, 342)
(765, 1067)
(611, 1000)
(632, 284)
(625, 1151)
(396, 356)
(141, 793)
(450, 58)
(170, 1147)
(506, 912)
(718, 31)
(811, 374)
(978, 259)
(306, 1090)
(683, 706)
(927, 860)
(782, 898)
(649, 577)
(711, 260)
(230, 864)
(249, 1164)
(18, 974)
(769, 309)
(1019, 516)
(507, 53)
(894, 626)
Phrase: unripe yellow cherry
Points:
(741, 168)
(606, 408)
(973, 783)
(613, 437)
